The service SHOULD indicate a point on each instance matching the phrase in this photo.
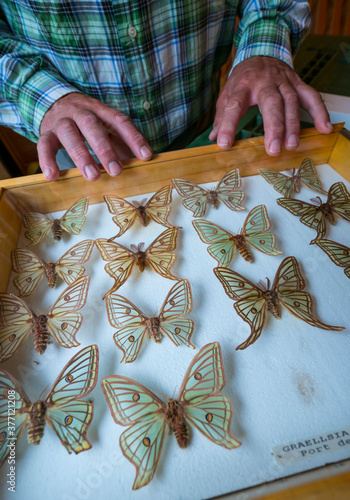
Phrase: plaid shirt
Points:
(156, 61)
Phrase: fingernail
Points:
(275, 146)
(114, 167)
(223, 141)
(47, 172)
(146, 152)
(90, 171)
(329, 125)
(293, 141)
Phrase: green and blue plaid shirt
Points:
(156, 61)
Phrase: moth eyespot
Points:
(136, 397)
(66, 298)
(126, 220)
(28, 280)
(12, 337)
(223, 251)
(68, 420)
(70, 272)
(146, 441)
(122, 204)
(346, 253)
(64, 326)
(5, 393)
(215, 231)
(161, 242)
(285, 277)
(198, 376)
(299, 205)
(315, 220)
(131, 338)
(158, 214)
(262, 242)
(39, 233)
(296, 303)
(191, 188)
(209, 417)
(72, 253)
(29, 259)
(69, 378)
(73, 210)
(253, 310)
(127, 311)
(120, 269)
(73, 224)
(172, 302)
(157, 198)
(241, 284)
(177, 330)
(252, 222)
(3, 436)
(161, 263)
(16, 308)
(197, 203)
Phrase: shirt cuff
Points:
(264, 38)
(38, 94)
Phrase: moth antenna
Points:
(262, 285)
(34, 396)
(136, 203)
(316, 200)
(42, 392)
(268, 283)
(140, 246)
(113, 238)
(134, 248)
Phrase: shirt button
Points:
(132, 32)
(146, 105)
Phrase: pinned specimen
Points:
(62, 408)
(38, 225)
(197, 198)
(306, 174)
(158, 256)
(134, 326)
(17, 320)
(148, 418)
(222, 244)
(31, 269)
(253, 301)
(339, 254)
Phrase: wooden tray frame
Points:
(203, 164)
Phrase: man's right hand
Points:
(76, 118)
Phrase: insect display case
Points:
(287, 388)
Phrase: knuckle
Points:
(64, 127)
(85, 119)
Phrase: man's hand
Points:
(278, 91)
(77, 117)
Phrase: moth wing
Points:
(299, 303)
(282, 183)
(236, 286)
(195, 196)
(31, 270)
(157, 207)
(69, 267)
(264, 242)
(179, 330)
(159, 255)
(288, 276)
(125, 212)
(129, 340)
(16, 320)
(77, 379)
(257, 221)
(308, 176)
(339, 199)
(339, 254)
(253, 312)
(205, 375)
(178, 302)
(10, 386)
(73, 220)
(221, 243)
(37, 226)
(111, 251)
(212, 417)
(70, 421)
(227, 190)
(64, 328)
(132, 404)
(296, 207)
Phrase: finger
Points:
(47, 148)
(70, 138)
(292, 118)
(121, 124)
(95, 134)
(228, 118)
(271, 106)
(311, 100)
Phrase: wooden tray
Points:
(205, 164)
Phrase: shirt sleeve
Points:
(270, 28)
(28, 85)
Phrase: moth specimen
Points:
(148, 417)
(157, 208)
(197, 198)
(62, 408)
(17, 320)
(315, 216)
(253, 301)
(158, 256)
(339, 254)
(39, 225)
(31, 269)
(306, 174)
(255, 232)
(134, 326)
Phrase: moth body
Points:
(41, 333)
(212, 198)
(242, 247)
(272, 303)
(142, 215)
(56, 230)
(153, 329)
(36, 425)
(51, 274)
(175, 418)
(328, 213)
(140, 258)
